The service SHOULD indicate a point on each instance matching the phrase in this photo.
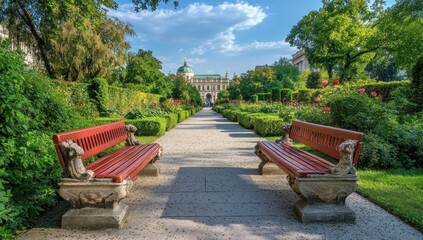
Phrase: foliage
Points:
(143, 71)
(383, 67)
(123, 100)
(145, 113)
(268, 125)
(276, 95)
(264, 96)
(417, 83)
(287, 75)
(286, 94)
(223, 97)
(260, 80)
(99, 93)
(254, 98)
(70, 38)
(186, 92)
(313, 80)
(172, 120)
(340, 36)
(151, 126)
(31, 111)
(182, 115)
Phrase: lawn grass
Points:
(398, 191)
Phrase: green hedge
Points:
(384, 88)
(287, 94)
(276, 95)
(264, 96)
(153, 126)
(247, 119)
(182, 115)
(124, 100)
(268, 125)
(171, 120)
(230, 114)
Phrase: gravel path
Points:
(209, 188)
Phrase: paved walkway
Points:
(209, 189)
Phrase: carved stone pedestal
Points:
(96, 218)
(323, 197)
(95, 203)
(151, 170)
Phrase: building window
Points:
(208, 87)
(218, 87)
(199, 87)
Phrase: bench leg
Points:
(323, 197)
(266, 167)
(151, 170)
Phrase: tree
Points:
(286, 74)
(257, 81)
(143, 69)
(340, 36)
(37, 24)
(402, 30)
(383, 67)
(185, 91)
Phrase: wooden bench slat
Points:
(124, 163)
(295, 161)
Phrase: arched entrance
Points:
(209, 99)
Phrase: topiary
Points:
(99, 93)
(276, 95)
(417, 84)
(313, 80)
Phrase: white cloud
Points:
(199, 26)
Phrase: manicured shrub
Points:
(152, 126)
(247, 119)
(171, 120)
(303, 95)
(313, 80)
(182, 115)
(276, 95)
(268, 125)
(286, 94)
(254, 98)
(99, 93)
(417, 84)
(264, 96)
(385, 89)
(376, 152)
(104, 120)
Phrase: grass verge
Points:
(398, 191)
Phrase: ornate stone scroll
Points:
(131, 141)
(345, 166)
(285, 134)
(74, 168)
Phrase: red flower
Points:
(317, 99)
(325, 82)
(336, 82)
(326, 109)
(374, 94)
(362, 90)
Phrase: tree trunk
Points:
(27, 18)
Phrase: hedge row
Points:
(263, 124)
(151, 126)
(381, 88)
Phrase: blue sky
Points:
(216, 36)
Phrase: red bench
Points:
(321, 184)
(106, 181)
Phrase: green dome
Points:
(184, 69)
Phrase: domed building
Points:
(209, 85)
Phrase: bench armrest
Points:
(131, 141)
(285, 134)
(72, 154)
(346, 150)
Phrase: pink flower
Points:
(284, 99)
(326, 109)
(317, 99)
(325, 82)
(336, 82)
(374, 94)
(362, 90)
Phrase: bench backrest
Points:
(325, 139)
(93, 140)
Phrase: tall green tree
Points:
(340, 36)
(38, 23)
(143, 69)
(286, 74)
(402, 32)
(258, 81)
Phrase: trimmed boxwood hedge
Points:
(268, 125)
(182, 115)
(230, 114)
(152, 126)
(247, 119)
(171, 120)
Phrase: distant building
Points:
(299, 59)
(209, 85)
(261, 66)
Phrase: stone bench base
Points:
(96, 218)
(323, 197)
